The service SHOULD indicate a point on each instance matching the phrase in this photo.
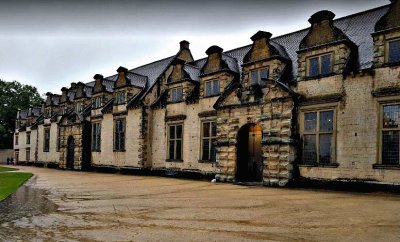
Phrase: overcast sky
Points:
(50, 44)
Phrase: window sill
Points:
(309, 78)
(386, 167)
(210, 96)
(170, 160)
(96, 150)
(332, 165)
(207, 161)
(119, 150)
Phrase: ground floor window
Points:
(318, 137)
(46, 140)
(208, 139)
(96, 136)
(175, 141)
(119, 134)
(390, 131)
(28, 154)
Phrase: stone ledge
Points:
(332, 165)
(386, 167)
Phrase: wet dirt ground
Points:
(112, 207)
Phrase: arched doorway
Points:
(250, 165)
(70, 152)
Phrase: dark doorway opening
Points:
(250, 165)
(70, 152)
(86, 146)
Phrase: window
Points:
(119, 135)
(175, 142)
(120, 98)
(78, 107)
(390, 134)
(28, 154)
(176, 94)
(211, 88)
(394, 51)
(28, 138)
(318, 137)
(319, 65)
(209, 137)
(258, 75)
(46, 140)
(16, 139)
(97, 102)
(58, 139)
(96, 136)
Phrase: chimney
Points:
(73, 85)
(122, 69)
(261, 35)
(322, 17)
(98, 77)
(29, 112)
(184, 44)
(214, 50)
(18, 113)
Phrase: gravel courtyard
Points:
(113, 207)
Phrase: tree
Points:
(14, 96)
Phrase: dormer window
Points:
(211, 88)
(320, 65)
(257, 76)
(120, 98)
(394, 51)
(176, 94)
(78, 107)
(97, 102)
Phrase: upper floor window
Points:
(211, 88)
(28, 138)
(78, 107)
(119, 135)
(390, 133)
(96, 136)
(16, 139)
(318, 137)
(97, 102)
(394, 51)
(46, 140)
(257, 76)
(175, 141)
(120, 98)
(176, 94)
(208, 139)
(320, 65)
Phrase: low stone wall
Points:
(4, 154)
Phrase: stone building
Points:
(319, 103)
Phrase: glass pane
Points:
(394, 51)
(310, 149)
(325, 64)
(310, 122)
(179, 131)
(264, 73)
(179, 94)
(313, 67)
(206, 129)
(326, 121)
(173, 95)
(171, 149)
(172, 132)
(215, 87)
(213, 150)
(178, 150)
(391, 116)
(213, 129)
(122, 141)
(208, 89)
(390, 147)
(206, 147)
(325, 148)
(254, 77)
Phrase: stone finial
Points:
(320, 16)
(261, 35)
(184, 44)
(214, 49)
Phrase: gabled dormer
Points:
(387, 37)
(325, 50)
(266, 59)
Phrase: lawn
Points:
(11, 181)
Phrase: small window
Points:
(390, 134)
(28, 138)
(96, 136)
(97, 102)
(209, 137)
(175, 142)
(28, 154)
(119, 135)
(394, 51)
(211, 88)
(120, 98)
(320, 65)
(16, 139)
(46, 140)
(78, 107)
(318, 137)
(257, 76)
(176, 94)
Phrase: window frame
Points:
(46, 139)
(97, 102)
(318, 109)
(387, 51)
(381, 130)
(212, 92)
(96, 137)
(16, 139)
(258, 70)
(210, 139)
(120, 148)
(171, 94)
(28, 138)
(118, 97)
(319, 56)
(174, 158)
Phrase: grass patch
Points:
(7, 169)
(10, 182)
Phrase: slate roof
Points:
(23, 114)
(193, 71)
(36, 111)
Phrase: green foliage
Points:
(14, 96)
(10, 182)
